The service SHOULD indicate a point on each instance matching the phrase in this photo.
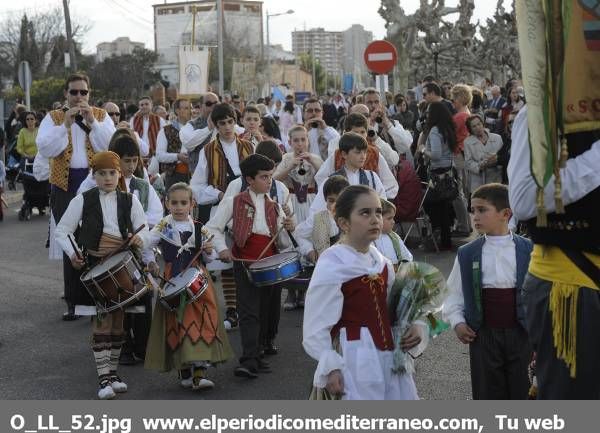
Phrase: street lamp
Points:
(269, 44)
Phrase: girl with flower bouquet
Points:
(346, 321)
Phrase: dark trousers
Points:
(259, 310)
(499, 359)
(441, 214)
(137, 329)
(59, 202)
(554, 380)
(270, 312)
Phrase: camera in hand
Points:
(301, 169)
(371, 133)
(379, 119)
(314, 125)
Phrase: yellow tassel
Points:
(558, 201)
(542, 220)
(563, 306)
(564, 153)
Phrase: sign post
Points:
(380, 57)
(24, 74)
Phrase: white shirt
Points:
(304, 230)
(498, 270)
(580, 176)
(353, 177)
(313, 138)
(235, 187)
(224, 214)
(161, 149)
(146, 125)
(390, 155)
(144, 146)
(155, 207)
(41, 168)
(403, 139)
(108, 202)
(386, 247)
(52, 140)
(192, 138)
(384, 173)
(203, 192)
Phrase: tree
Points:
(125, 77)
(306, 64)
(43, 93)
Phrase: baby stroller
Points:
(13, 162)
(36, 194)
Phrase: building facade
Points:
(243, 29)
(325, 46)
(356, 39)
(118, 47)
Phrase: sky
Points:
(110, 19)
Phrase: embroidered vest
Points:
(363, 179)
(365, 305)
(173, 146)
(219, 173)
(178, 262)
(320, 232)
(92, 222)
(59, 172)
(243, 217)
(469, 260)
(153, 128)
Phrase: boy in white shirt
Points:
(389, 242)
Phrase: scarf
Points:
(217, 163)
(153, 128)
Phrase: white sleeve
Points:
(161, 149)
(144, 146)
(68, 224)
(155, 207)
(325, 171)
(470, 163)
(332, 147)
(387, 179)
(390, 155)
(101, 134)
(330, 133)
(303, 234)
(88, 183)
(405, 253)
(402, 138)
(151, 239)
(217, 223)
(454, 305)
(203, 192)
(579, 177)
(234, 188)
(322, 310)
(192, 138)
(51, 140)
(138, 217)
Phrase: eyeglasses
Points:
(210, 103)
(313, 110)
(114, 113)
(75, 92)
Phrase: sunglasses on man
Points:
(75, 92)
(113, 113)
(210, 103)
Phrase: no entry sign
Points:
(380, 57)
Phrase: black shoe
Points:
(270, 348)
(248, 372)
(126, 358)
(264, 367)
(70, 315)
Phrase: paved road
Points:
(43, 357)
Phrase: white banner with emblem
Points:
(193, 70)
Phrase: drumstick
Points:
(197, 255)
(272, 240)
(75, 248)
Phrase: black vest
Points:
(579, 227)
(92, 223)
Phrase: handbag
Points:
(442, 186)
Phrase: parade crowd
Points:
(157, 211)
